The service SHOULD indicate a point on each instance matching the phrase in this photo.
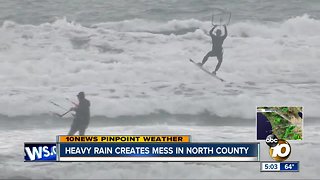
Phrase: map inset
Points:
(284, 122)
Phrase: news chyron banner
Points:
(140, 148)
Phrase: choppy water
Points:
(130, 57)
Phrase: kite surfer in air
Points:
(217, 50)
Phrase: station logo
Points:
(279, 149)
(40, 152)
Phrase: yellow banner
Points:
(124, 139)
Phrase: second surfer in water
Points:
(217, 50)
(82, 116)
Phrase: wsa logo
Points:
(40, 152)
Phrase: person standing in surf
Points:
(217, 50)
(82, 116)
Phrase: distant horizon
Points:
(99, 11)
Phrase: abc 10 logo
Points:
(279, 149)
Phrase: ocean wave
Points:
(296, 26)
(141, 25)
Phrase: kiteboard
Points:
(205, 70)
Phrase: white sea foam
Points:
(136, 67)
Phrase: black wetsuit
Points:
(82, 118)
(217, 49)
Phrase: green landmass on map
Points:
(285, 121)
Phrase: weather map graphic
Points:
(284, 122)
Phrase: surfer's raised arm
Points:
(225, 31)
(211, 31)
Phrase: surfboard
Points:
(205, 70)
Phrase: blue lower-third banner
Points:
(158, 152)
